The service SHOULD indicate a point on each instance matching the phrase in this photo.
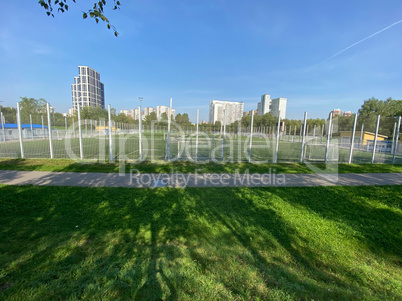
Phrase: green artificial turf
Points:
(322, 243)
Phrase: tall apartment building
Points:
(336, 112)
(275, 106)
(249, 113)
(135, 113)
(126, 112)
(164, 109)
(217, 111)
(148, 110)
(87, 90)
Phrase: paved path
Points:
(41, 178)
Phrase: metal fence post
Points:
(278, 130)
(322, 132)
(290, 133)
(49, 128)
(196, 136)
(303, 137)
(140, 131)
(375, 138)
(224, 133)
(301, 132)
(80, 132)
(328, 137)
(396, 140)
(352, 143)
(109, 116)
(3, 126)
(168, 134)
(30, 122)
(361, 136)
(315, 126)
(251, 138)
(20, 131)
(239, 143)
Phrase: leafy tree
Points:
(97, 11)
(149, 118)
(33, 107)
(388, 109)
(217, 126)
(183, 120)
(94, 113)
(178, 118)
(345, 123)
(10, 114)
(123, 118)
(164, 116)
(246, 121)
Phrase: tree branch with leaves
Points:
(97, 11)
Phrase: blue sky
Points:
(197, 51)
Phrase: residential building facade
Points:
(277, 106)
(164, 109)
(88, 90)
(217, 111)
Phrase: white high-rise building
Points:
(217, 111)
(87, 89)
(275, 106)
(148, 111)
(278, 107)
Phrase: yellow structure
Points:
(346, 136)
(103, 128)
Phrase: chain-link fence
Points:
(343, 140)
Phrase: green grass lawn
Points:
(325, 243)
(62, 165)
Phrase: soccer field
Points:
(155, 146)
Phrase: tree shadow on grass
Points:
(117, 243)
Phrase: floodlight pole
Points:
(352, 143)
(140, 128)
(49, 128)
(20, 130)
(396, 139)
(251, 137)
(375, 138)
